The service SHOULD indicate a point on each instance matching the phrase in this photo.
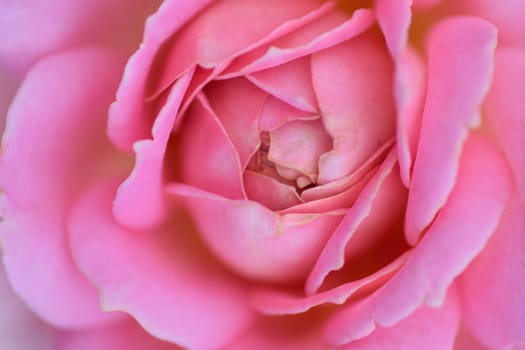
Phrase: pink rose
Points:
(265, 174)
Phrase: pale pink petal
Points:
(457, 235)
(163, 279)
(20, 329)
(333, 255)
(127, 120)
(54, 144)
(140, 201)
(353, 83)
(274, 302)
(269, 192)
(290, 82)
(299, 144)
(410, 97)
(338, 186)
(255, 241)
(302, 43)
(203, 155)
(460, 63)
(394, 17)
(237, 104)
(276, 112)
(33, 29)
(426, 328)
(506, 16)
(493, 285)
(126, 334)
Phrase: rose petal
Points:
(359, 125)
(139, 202)
(394, 17)
(269, 192)
(493, 287)
(458, 234)
(276, 112)
(332, 256)
(34, 29)
(273, 302)
(426, 328)
(299, 144)
(19, 327)
(54, 144)
(8, 86)
(290, 82)
(162, 278)
(237, 104)
(460, 63)
(126, 334)
(255, 241)
(204, 155)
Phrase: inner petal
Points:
(299, 144)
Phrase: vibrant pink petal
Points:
(162, 279)
(302, 43)
(426, 328)
(127, 120)
(33, 29)
(54, 144)
(394, 17)
(269, 192)
(493, 286)
(276, 112)
(272, 302)
(424, 4)
(255, 241)
(465, 340)
(126, 334)
(8, 86)
(204, 156)
(19, 328)
(237, 104)
(140, 199)
(506, 16)
(333, 255)
(290, 82)
(410, 97)
(299, 144)
(353, 83)
(460, 65)
(457, 235)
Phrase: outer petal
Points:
(394, 18)
(34, 28)
(20, 329)
(255, 241)
(126, 334)
(55, 143)
(459, 72)
(458, 234)
(493, 286)
(427, 328)
(164, 279)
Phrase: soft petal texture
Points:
(127, 122)
(290, 82)
(61, 107)
(126, 334)
(163, 279)
(20, 329)
(266, 190)
(333, 255)
(394, 17)
(276, 112)
(493, 286)
(458, 234)
(204, 155)
(507, 16)
(8, 86)
(140, 202)
(34, 28)
(353, 85)
(426, 328)
(237, 104)
(255, 241)
(465, 340)
(460, 68)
